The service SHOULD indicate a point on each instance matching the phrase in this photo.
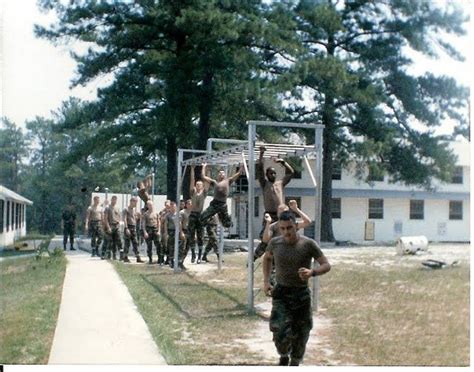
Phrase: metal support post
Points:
(318, 171)
(251, 202)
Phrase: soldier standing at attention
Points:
(112, 227)
(291, 315)
(221, 192)
(93, 224)
(195, 228)
(184, 218)
(170, 230)
(105, 243)
(164, 244)
(151, 232)
(129, 216)
(68, 221)
(212, 244)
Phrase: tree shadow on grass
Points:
(238, 311)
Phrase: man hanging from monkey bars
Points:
(221, 192)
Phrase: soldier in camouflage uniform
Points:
(212, 243)
(105, 237)
(184, 218)
(68, 219)
(171, 219)
(218, 205)
(164, 243)
(129, 216)
(291, 316)
(151, 224)
(195, 229)
(112, 227)
(93, 224)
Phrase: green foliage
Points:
(356, 69)
(13, 146)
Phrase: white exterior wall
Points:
(9, 237)
(354, 214)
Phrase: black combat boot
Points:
(284, 360)
(150, 261)
(199, 255)
(160, 260)
(125, 259)
(139, 260)
(294, 362)
(193, 255)
(121, 256)
(181, 266)
(204, 257)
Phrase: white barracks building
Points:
(381, 211)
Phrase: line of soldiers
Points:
(159, 228)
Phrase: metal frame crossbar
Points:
(238, 153)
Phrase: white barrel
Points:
(412, 244)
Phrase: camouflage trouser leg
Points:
(212, 239)
(260, 250)
(184, 247)
(221, 209)
(115, 241)
(170, 244)
(153, 238)
(105, 245)
(68, 233)
(291, 320)
(96, 235)
(195, 230)
(132, 238)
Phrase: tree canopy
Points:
(185, 70)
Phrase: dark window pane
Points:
(455, 210)
(417, 209)
(336, 208)
(376, 208)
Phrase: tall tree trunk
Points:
(171, 163)
(328, 119)
(327, 234)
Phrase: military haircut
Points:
(287, 216)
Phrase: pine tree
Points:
(376, 113)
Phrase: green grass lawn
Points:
(30, 294)
(379, 315)
(398, 316)
(193, 320)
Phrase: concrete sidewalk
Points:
(98, 322)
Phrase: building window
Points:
(376, 208)
(8, 216)
(336, 171)
(455, 210)
(256, 207)
(457, 175)
(417, 209)
(336, 208)
(2, 210)
(375, 175)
